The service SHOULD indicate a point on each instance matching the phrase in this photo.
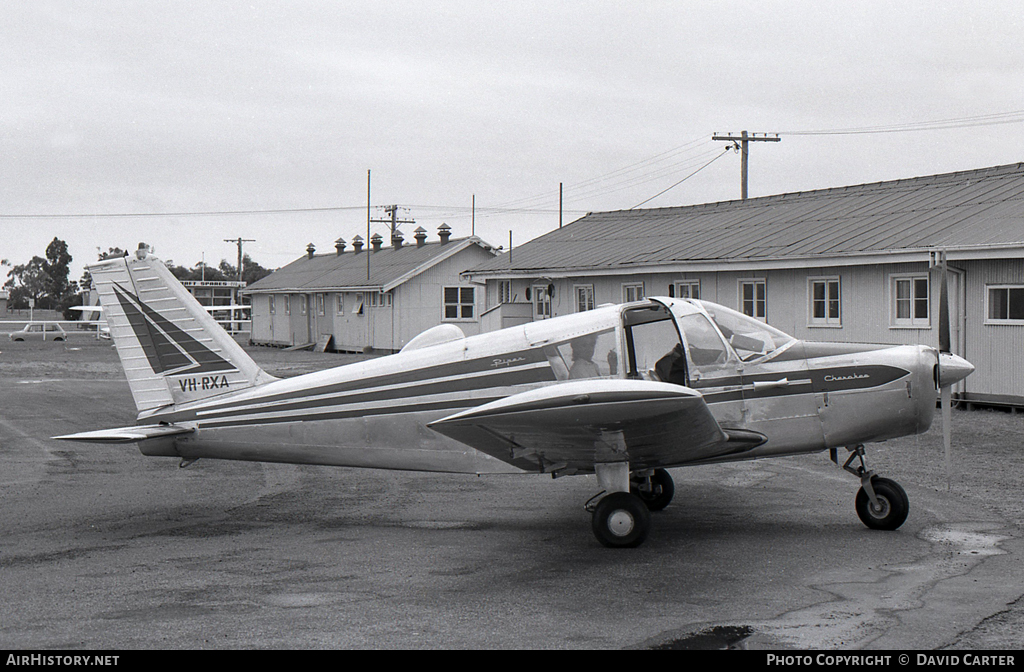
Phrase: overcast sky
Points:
(195, 107)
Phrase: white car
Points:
(40, 331)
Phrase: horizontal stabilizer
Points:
(127, 434)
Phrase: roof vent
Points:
(339, 245)
(445, 232)
(397, 239)
(420, 236)
(375, 242)
(357, 244)
(310, 250)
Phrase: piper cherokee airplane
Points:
(623, 391)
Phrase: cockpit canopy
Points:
(750, 338)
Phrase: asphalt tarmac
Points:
(103, 548)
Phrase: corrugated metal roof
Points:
(966, 209)
(348, 270)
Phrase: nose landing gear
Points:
(881, 503)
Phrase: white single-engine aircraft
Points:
(623, 392)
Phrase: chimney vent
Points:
(421, 236)
(310, 250)
(357, 244)
(397, 239)
(375, 242)
(445, 232)
(339, 245)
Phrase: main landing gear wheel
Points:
(893, 505)
(655, 491)
(621, 520)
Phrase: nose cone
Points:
(953, 368)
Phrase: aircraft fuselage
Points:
(804, 398)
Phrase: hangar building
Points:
(375, 299)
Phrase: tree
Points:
(251, 271)
(45, 280)
(28, 281)
(56, 266)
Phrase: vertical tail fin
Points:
(172, 350)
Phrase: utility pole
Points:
(393, 221)
(239, 242)
(741, 143)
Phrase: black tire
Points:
(661, 496)
(895, 505)
(621, 520)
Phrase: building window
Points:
(633, 291)
(341, 304)
(380, 300)
(584, 298)
(687, 289)
(1005, 304)
(459, 303)
(754, 298)
(287, 304)
(910, 301)
(359, 304)
(270, 301)
(504, 291)
(303, 304)
(320, 304)
(824, 303)
(541, 302)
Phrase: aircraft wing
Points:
(127, 434)
(571, 426)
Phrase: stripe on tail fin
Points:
(172, 350)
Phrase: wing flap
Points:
(580, 423)
(127, 434)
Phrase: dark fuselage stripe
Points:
(832, 379)
(496, 364)
(459, 385)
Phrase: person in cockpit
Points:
(583, 365)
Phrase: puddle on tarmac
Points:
(718, 638)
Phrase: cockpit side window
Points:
(594, 355)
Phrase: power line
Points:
(204, 213)
(720, 155)
(937, 125)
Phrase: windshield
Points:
(750, 338)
